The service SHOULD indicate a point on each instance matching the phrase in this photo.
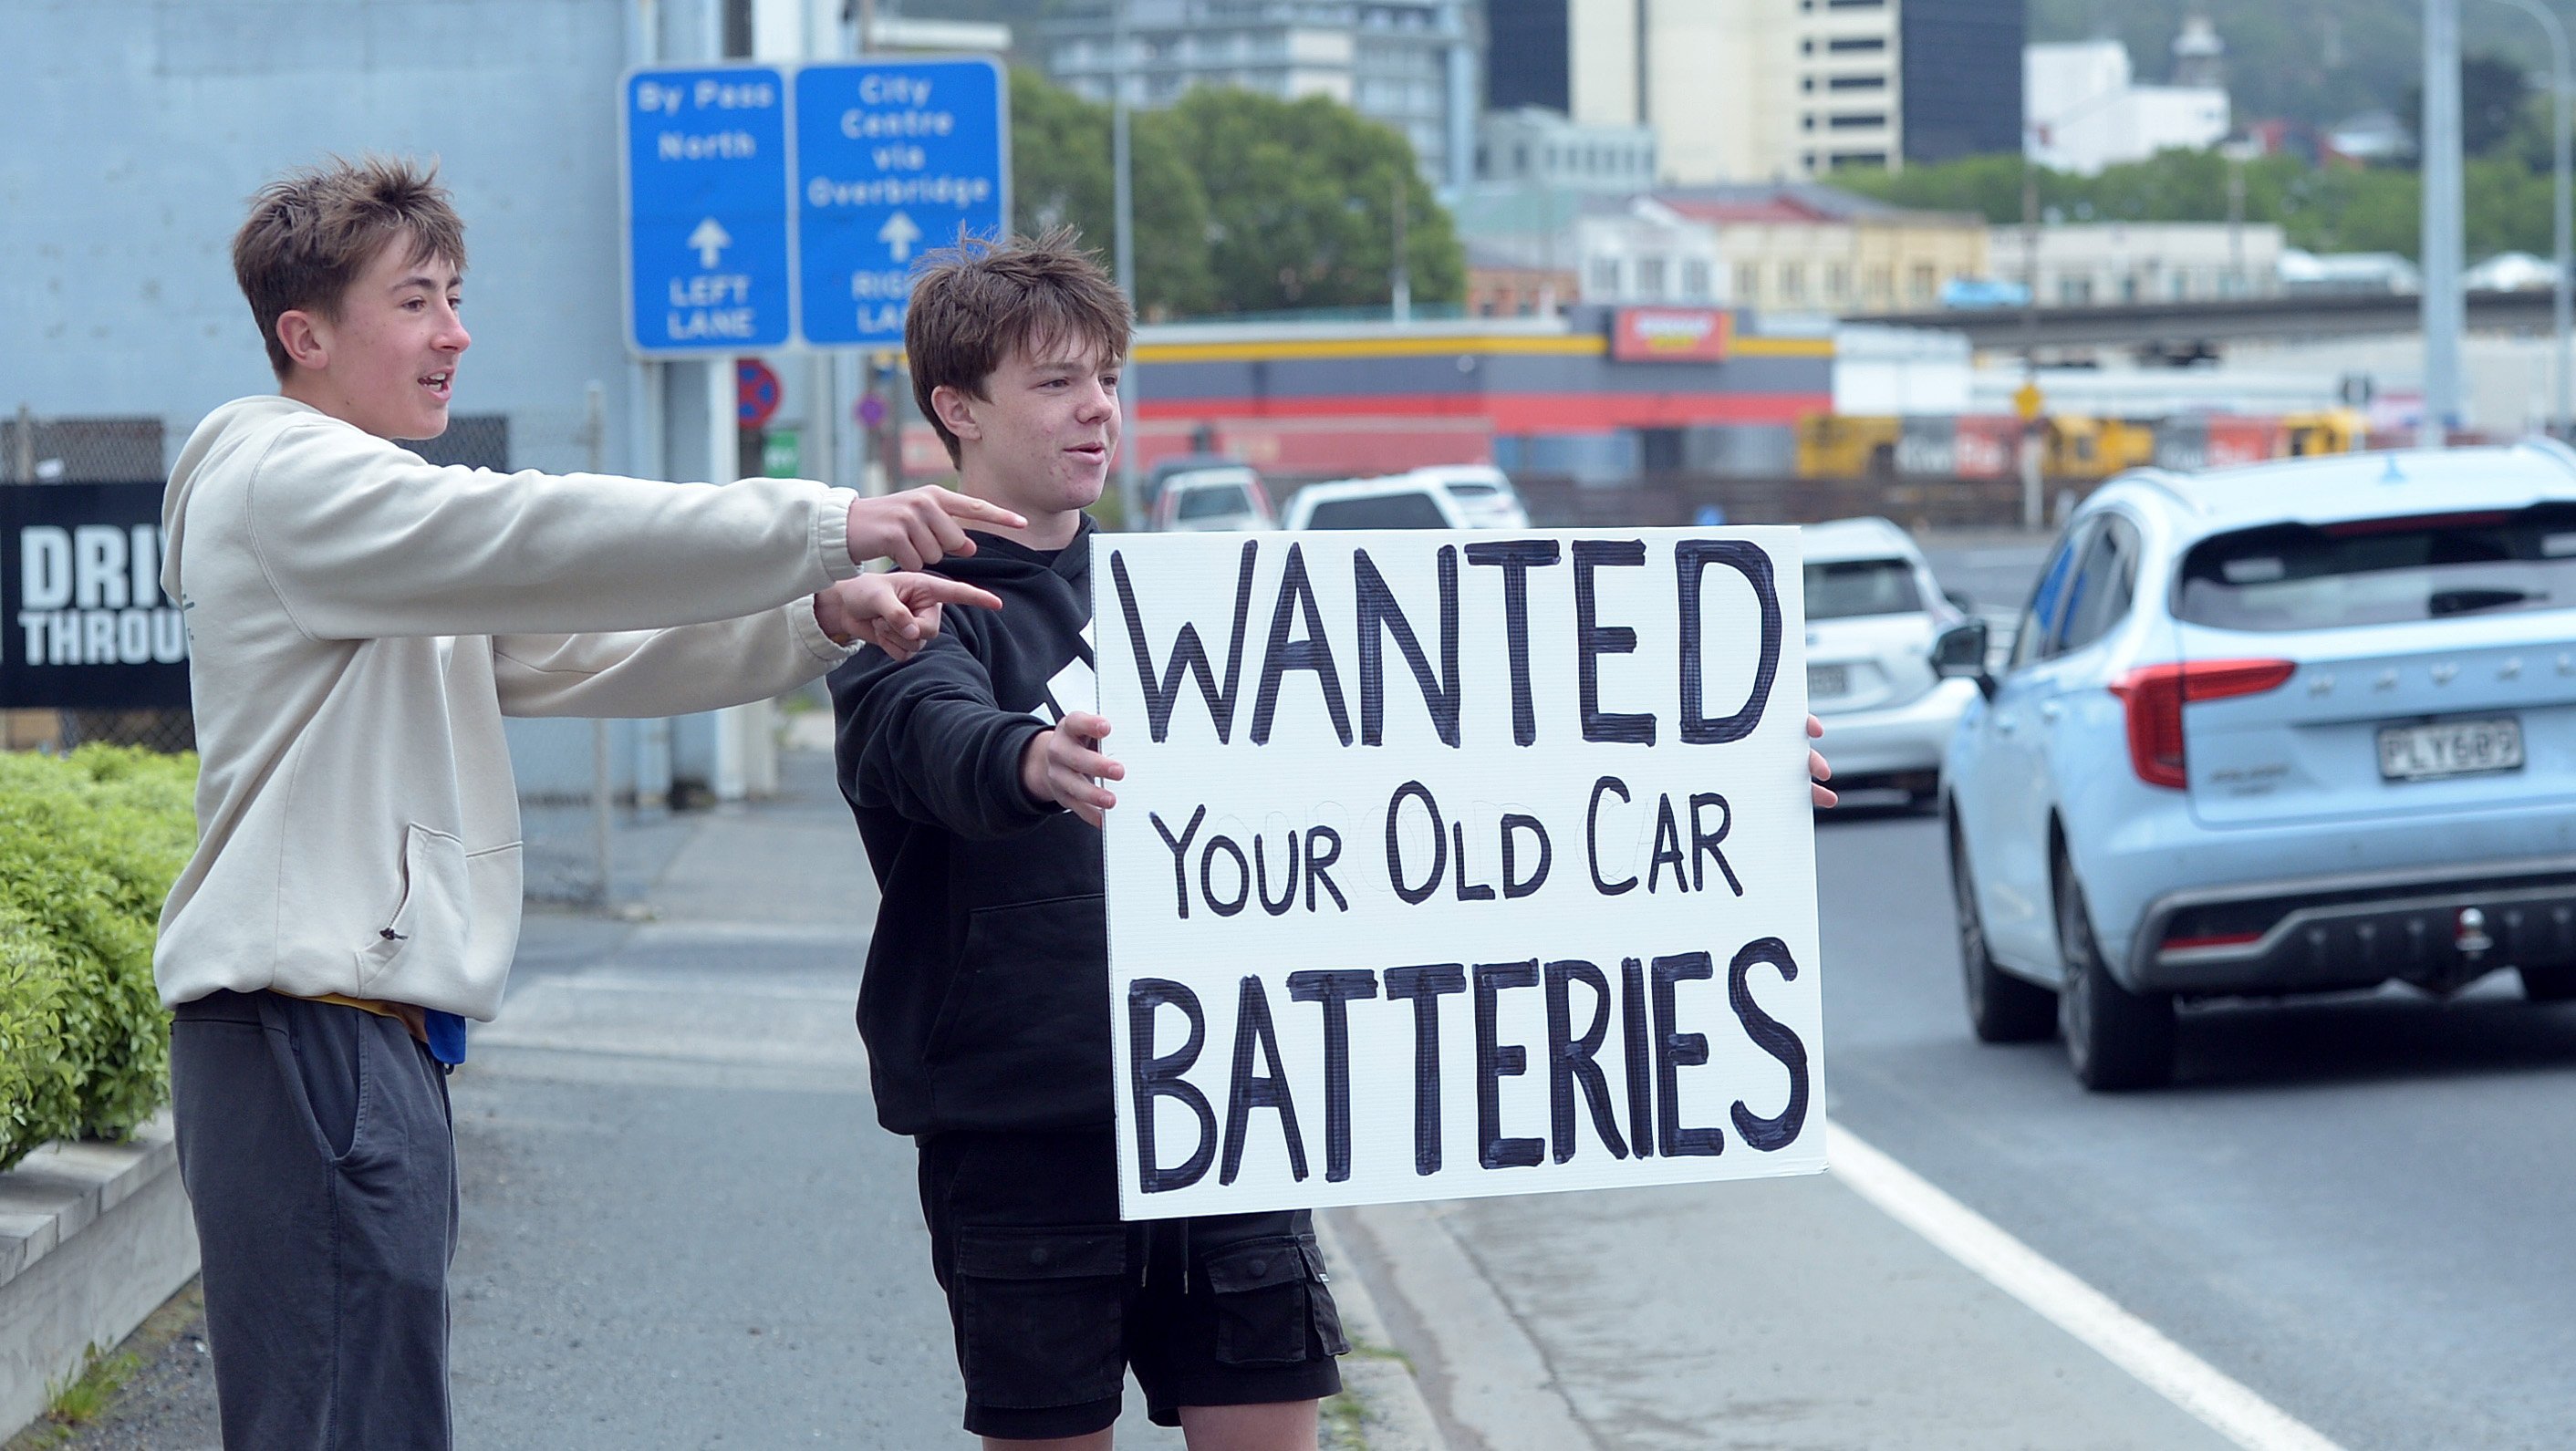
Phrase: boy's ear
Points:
(306, 338)
(955, 411)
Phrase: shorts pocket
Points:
(1271, 1305)
(1040, 1315)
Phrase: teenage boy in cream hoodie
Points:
(360, 622)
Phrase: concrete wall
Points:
(143, 128)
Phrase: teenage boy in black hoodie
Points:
(986, 1001)
(985, 1006)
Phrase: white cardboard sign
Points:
(1454, 864)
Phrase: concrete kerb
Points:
(1377, 1375)
(93, 1237)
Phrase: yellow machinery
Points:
(2335, 430)
(2080, 447)
(1832, 446)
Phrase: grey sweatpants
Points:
(317, 1149)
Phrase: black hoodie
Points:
(986, 1000)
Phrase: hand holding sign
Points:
(1065, 766)
(1819, 770)
(919, 527)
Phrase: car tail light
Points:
(2156, 694)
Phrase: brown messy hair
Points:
(975, 302)
(312, 231)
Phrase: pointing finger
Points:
(938, 589)
(967, 506)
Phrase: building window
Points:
(1922, 282)
(1837, 282)
(1695, 279)
(1793, 282)
(1882, 284)
(1856, 44)
(1860, 121)
(1748, 282)
(1861, 158)
(1809, 84)
(1605, 276)
(1807, 123)
(2074, 291)
(1854, 83)
(1650, 277)
(1855, 4)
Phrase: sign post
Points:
(1451, 865)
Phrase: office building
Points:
(1408, 63)
(2086, 110)
(1959, 72)
(2094, 264)
(1537, 147)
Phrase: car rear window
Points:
(1473, 491)
(2381, 571)
(1845, 588)
(1213, 501)
(1386, 511)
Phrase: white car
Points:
(1873, 609)
(1483, 493)
(1213, 499)
(1398, 501)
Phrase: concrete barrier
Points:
(93, 1237)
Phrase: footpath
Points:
(684, 1229)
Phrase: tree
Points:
(1060, 175)
(1301, 204)
(2493, 95)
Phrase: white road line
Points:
(2075, 1307)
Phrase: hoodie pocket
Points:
(1022, 1037)
(433, 902)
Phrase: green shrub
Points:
(89, 845)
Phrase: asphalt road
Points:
(2357, 1206)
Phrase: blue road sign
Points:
(892, 158)
(707, 210)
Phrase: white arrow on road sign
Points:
(899, 234)
(710, 240)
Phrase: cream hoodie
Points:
(360, 621)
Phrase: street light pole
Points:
(2562, 216)
(2444, 310)
(1122, 184)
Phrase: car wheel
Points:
(2549, 984)
(2115, 1038)
(2001, 1007)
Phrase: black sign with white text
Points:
(88, 627)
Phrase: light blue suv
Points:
(2298, 727)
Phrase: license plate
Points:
(1828, 680)
(2449, 748)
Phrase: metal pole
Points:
(1400, 276)
(2562, 421)
(2027, 450)
(2444, 309)
(594, 429)
(1131, 494)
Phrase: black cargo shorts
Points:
(1052, 1298)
